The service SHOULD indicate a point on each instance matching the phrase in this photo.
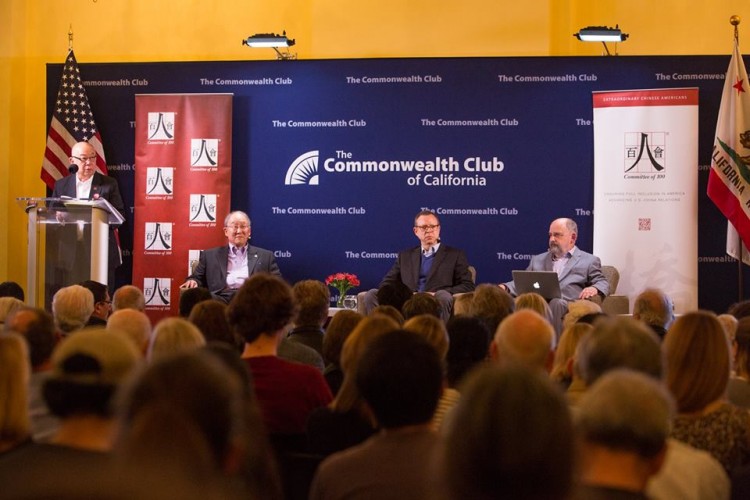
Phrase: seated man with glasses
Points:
(431, 267)
(224, 269)
(102, 303)
(85, 183)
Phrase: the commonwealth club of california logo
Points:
(304, 170)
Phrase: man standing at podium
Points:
(85, 183)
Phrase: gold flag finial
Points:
(735, 21)
(70, 38)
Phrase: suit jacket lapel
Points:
(439, 257)
(410, 274)
(570, 264)
(252, 260)
(223, 256)
(96, 183)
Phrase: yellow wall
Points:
(35, 33)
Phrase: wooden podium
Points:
(68, 242)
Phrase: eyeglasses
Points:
(428, 228)
(85, 159)
(241, 227)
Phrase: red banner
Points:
(183, 157)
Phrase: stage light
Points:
(602, 34)
(270, 40)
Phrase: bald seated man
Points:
(525, 338)
(128, 297)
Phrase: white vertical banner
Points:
(646, 190)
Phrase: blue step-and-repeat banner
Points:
(332, 159)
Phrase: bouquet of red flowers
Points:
(342, 282)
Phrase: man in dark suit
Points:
(579, 272)
(431, 267)
(85, 184)
(223, 269)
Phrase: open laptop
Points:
(545, 283)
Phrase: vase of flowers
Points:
(342, 282)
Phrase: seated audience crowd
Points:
(274, 395)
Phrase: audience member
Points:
(577, 310)
(654, 308)
(524, 337)
(394, 294)
(9, 305)
(299, 353)
(173, 335)
(623, 425)
(698, 367)
(510, 437)
(492, 305)
(347, 421)
(738, 390)
(421, 303)
(562, 365)
(128, 297)
(624, 342)
(102, 303)
(133, 324)
(37, 327)
(391, 312)
(87, 368)
(400, 377)
(287, 392)
(210, 317)
(619, 343)
(338, 330)
(535, 302)
(12, 289)
(740, 309)
(313, 300)
(462, 303)
(191, 296)
(72, 307)
(15, 428)
(185, 417)
(434, 332)
(468, 346)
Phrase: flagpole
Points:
(735, 21)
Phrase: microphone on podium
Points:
(72, 168)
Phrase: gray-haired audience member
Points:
(128, 297)
(134, 324)
(624, 342)
(623, 423)
(38, 328)
(524, 337)
(654, 308)
(509, 437)
(72, 307)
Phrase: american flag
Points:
(72, 122)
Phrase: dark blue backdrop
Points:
(533, 116)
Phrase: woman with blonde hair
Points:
(15, 426)
(698, 364)
(562, 366)
(536, 302)
(173, 335)
(346, 421)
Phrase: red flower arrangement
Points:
(342, 282)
